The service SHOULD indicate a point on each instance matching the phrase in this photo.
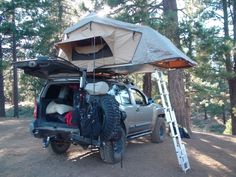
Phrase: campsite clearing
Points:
(22, 155)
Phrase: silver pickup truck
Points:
(90, 110)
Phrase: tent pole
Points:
(94, 58)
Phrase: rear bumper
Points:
(43, 129)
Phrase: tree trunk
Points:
(228, 63)
(223, 115)
(205, 113)
(147, 84)
(233, 84)
(175, 77)
(147, 78)
(15, 77)
(177, 96)
(2, 96)
(232, 93)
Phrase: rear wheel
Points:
(58, 147)
(113, 151)
(159, 131)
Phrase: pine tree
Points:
(30, 28)
(2, 95)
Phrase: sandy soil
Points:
(21, 155)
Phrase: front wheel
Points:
(113, 151)
(159, 131)
(58, 147)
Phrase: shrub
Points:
(24, 111)
(217, 128)
(228, 128)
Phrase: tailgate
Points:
(44, 67)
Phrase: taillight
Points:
(35, 109)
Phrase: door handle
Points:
(137, 109)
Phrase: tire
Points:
(159, 131)
(58, 147)
(111, 117)
(113, 151)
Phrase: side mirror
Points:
(150, 101)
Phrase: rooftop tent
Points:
(108, 44)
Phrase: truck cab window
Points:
(121, 94)
(138, 97)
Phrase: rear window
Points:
(61, 91)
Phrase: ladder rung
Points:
(164, 94)
(182, 158)
(162, 81)
(168, 109)
(170, 121)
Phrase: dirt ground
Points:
(21, 155)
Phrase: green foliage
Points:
(228, 127)
(29, 87)
(199, 123)
(3, 65)
(234, 111)
(24, 111)
(39, 24)
(114, 3)
(208, 125)
(217, 128)
(205, 43)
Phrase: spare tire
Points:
(110, 118)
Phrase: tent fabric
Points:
(130, 44)
(122, 43)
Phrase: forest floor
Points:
(21, 155)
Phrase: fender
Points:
(158, 111)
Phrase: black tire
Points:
(111, 117)
(159, 131)
(113, 151)
(58, 147)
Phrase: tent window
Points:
(85, 49)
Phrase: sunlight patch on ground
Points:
(13, 151)
(2, 152)
(73, 156)
(229, 138)
(217, 147)
(204, 140)
(3, 138)
(209, 161)
(8, 122)
(141, 140)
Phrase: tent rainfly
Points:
(110, 45)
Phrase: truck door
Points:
(144, 111)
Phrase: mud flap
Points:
(46, 142)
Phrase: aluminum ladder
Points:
(171, 120)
